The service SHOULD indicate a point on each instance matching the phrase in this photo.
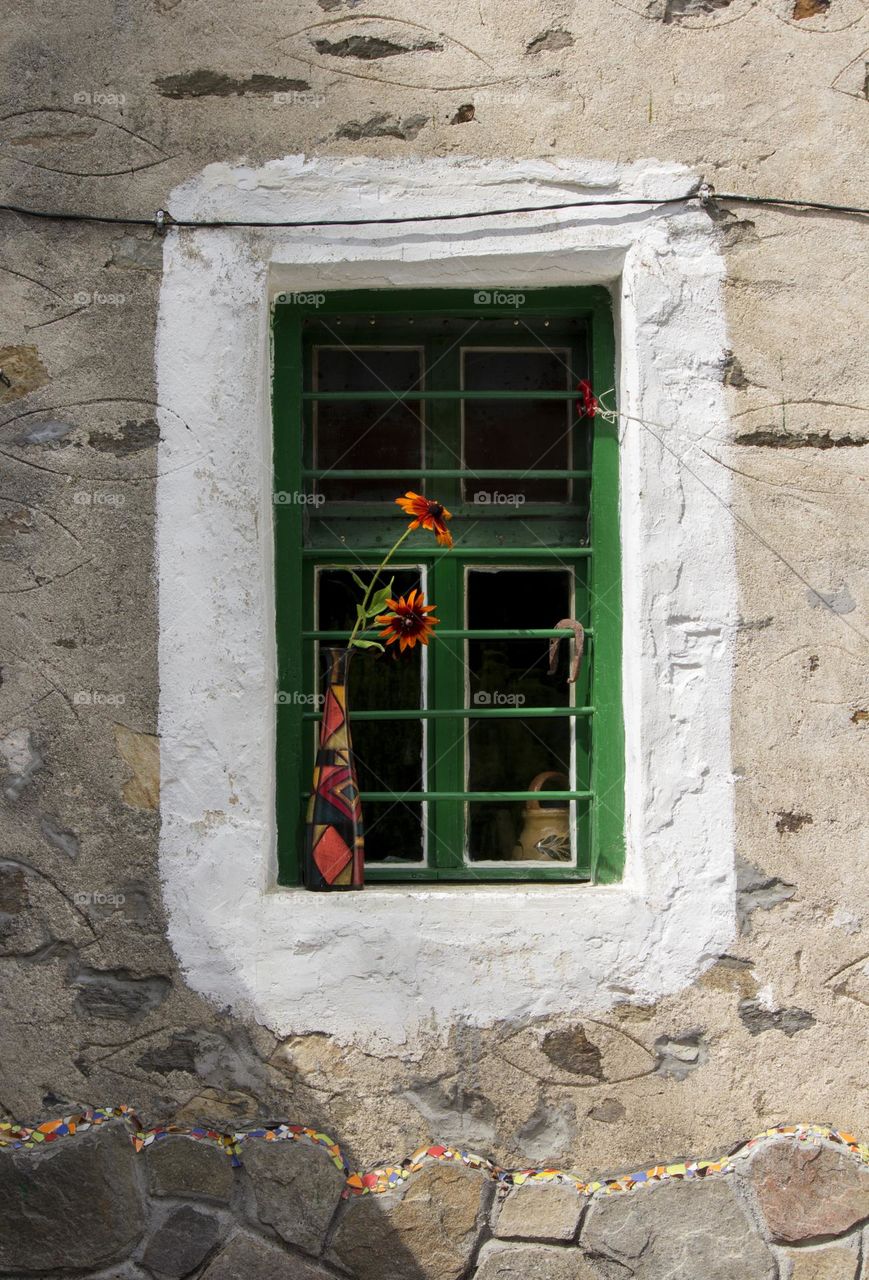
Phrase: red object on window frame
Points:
(587, 406)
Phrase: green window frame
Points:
(589, 547)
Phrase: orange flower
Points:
(407, 621)
(427, 514)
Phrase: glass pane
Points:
(389, 753)
(362, 433)
(516, 435)
(525, 831)
(513, 753)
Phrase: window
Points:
(471, 755)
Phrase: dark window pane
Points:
(510, 435)
(364, 434)
(510, 753)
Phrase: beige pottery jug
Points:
(546, 832)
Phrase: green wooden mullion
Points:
(415, 796)
(287, 389)
(467, 713)
(447, 394)
(417, 553)
(475, 873)
(608, 750)
(443, 453)
(454, 633)
(444, 473)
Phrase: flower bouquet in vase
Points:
(334, 855)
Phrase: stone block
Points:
(296, 1190)
(247, 1257)
(73, 1205)
(808, 1189)
(499, 1261)
(181, 1241)
(426, 1231)
(186, 1167)
(548, 1211)
(835, 1263)
(693, 1231)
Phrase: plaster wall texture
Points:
(694, 1015)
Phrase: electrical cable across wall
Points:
(704, 195)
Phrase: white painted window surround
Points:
(380, 965)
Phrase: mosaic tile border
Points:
(15, 1137)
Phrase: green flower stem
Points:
(362, 618)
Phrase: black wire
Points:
(214, 224)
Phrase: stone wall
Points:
(107, 109)
(784, 1208)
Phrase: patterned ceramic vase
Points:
(334, 840)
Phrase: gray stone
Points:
(118, 993)
(427, 1231)
(683, 1230)
(297, 1189)
(246, 1257)
(757, 1018)
(182, 1241)
(808, 1190)
(540, 1211)
(75, 1205)
(500, 1261)
(180, 1166)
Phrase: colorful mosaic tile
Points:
(15, 1137)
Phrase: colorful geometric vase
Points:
(334, 840)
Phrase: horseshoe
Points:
(568, 624)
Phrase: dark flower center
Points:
(435, 509)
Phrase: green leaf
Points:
(378, 601)
(367, 644)
(358, 580)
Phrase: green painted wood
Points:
(417, 318)
(413, 397)
(608, 758)
(468, 713)
(444, 473)
(416, 796)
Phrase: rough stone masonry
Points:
(107, 109)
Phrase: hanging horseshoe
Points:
(568, 624)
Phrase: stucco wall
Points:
(110, 110)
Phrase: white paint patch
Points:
(386, 963)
